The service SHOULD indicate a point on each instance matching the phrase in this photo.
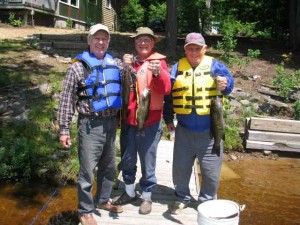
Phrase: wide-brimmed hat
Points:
(97, 27)
(194, 38)
(145, 31)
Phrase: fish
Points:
(143, 110)
(126, 85)
(217, 124)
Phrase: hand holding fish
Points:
(222, 83)
(127, 61)
(154, 66)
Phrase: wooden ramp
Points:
(162, 197)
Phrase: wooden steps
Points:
(272, 134)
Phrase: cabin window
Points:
(108, 4)
(71, 2)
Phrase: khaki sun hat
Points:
(145, 31)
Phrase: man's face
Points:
(99, 43)
(144, 45)
(194, 54)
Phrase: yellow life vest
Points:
(193, 89)
(144, 77)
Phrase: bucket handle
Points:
(241, 208)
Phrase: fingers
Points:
(222, 83)
(65, 141)
(127, 60)
(155, 66)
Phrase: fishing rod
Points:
(52, 195)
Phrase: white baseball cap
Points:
(97, 27)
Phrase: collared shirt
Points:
(76, 75)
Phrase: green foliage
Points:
(286, 82)
(13, 21)
(253, 53)
(132, 16)
(297, 110)
(89, 23)
(69, 23)
(158, 11)
(233, 140)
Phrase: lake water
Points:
(270, 189)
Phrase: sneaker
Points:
(145, 207)
(124, 199)
(110, 206)
(87, 219)
(177, 207)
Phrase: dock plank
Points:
(162, 197)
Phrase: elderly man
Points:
(196, 79)
(141, 128)
(92, 84)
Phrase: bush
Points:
(132, 16)
(286, 82)
(297, 110)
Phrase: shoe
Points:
(177, 207)
(124, 199)
(145, 207)
(87, 219)
(110, 206)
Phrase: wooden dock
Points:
(162, 197)
(272, 134)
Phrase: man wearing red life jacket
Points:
(148, 70)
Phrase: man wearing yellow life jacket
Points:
(149, 72)
(196, 79)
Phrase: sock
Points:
(129, 188)
(146, 195)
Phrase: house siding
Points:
(109, 16)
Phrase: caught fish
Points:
(143, 110)
(126, 84)
(217, 124)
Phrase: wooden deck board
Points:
(162, 197)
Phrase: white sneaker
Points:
(177, 207)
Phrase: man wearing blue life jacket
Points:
(93, 86)
(196, 80)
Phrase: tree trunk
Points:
(171, 27)
(294, 9)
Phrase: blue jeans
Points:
(96, 149)
(146, 148)
(189, 145)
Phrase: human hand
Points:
(65, 141)
(127, 60)
(154, 66)
(221, 83)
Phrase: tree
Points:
(171, 27)
(132, 16)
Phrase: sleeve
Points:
(168, 112)
(219, 69)
(66, 106)
(162, 84)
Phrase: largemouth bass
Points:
(126, 84)
(143, 110)
(217, 124)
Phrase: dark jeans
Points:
(96, 149)
(144, 146)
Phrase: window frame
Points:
(68, 2)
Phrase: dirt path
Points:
(18, 33)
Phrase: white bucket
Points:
(218, 211)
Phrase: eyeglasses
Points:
(145, 40)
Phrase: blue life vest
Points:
(103, 85)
